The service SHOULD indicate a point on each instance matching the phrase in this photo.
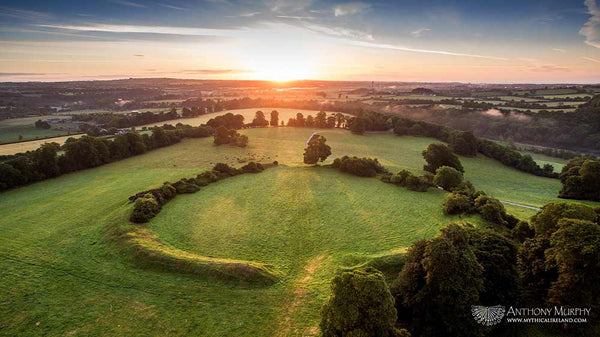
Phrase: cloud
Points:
(23, 74)
(296, 17)
(591, 59)
(22, 14)
(215, 71)
(591, 29)
(339, 31)
(138, 55)
(172, 7)
(419, 32)
(547, 68)
(167, 30)
(350, 8)
(243, 15)
(416, 50)
(560, 50)
(128, 3)
(287, 6)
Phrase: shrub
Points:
(417, 184)
(400, 178)
(362, 167)
(455, 203)
(186, 186)
(492, 210)
(168, 191)
(206, 178)
(252, 167)
(224, 168)
(447, 177)
(144, 209)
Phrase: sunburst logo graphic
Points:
(488, 315)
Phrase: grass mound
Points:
(148, 252)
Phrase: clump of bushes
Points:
(406, 179)
(148, 203)
(455, 203)
(447, 178)
(145, 208)
(362, 167)
(224, 135)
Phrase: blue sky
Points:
(469, 41)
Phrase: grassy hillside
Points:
(62, 273)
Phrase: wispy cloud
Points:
(339, 31)
(287, 6)
(296, 17)
(416, 50)
(138, 55)
(591, 29)
(560, 50)
(169, 6)
(22, 74)
(168, 30)
(128, 3)
(244, 15)
(547, 68)
(22, 14)
(350, 8)
(419, 32)
(591, 59)
(215, 71)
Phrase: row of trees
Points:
(320, 120)
(51, 159)
(147, 204)
(109, 120)
(224, 135)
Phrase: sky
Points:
(507, 41)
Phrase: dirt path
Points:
(297, 299)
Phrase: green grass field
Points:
(62, 273)
(11, 129)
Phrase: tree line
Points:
(52, 160)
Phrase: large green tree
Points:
(438, 155)
(361, 305)
(316, 150)
(440, 282)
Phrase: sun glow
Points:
(280, 71)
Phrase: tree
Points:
(299, 120)
(40, 124)
(439, 283)
(437, 155)
(447, 177)
(259, 119)
(275, 118)
(310, 121)
(339, 119)
(321, 120)
(316, 150)
(464, 143)
(362, 167)
(360, 305)
(575, 251)
(358, 125)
